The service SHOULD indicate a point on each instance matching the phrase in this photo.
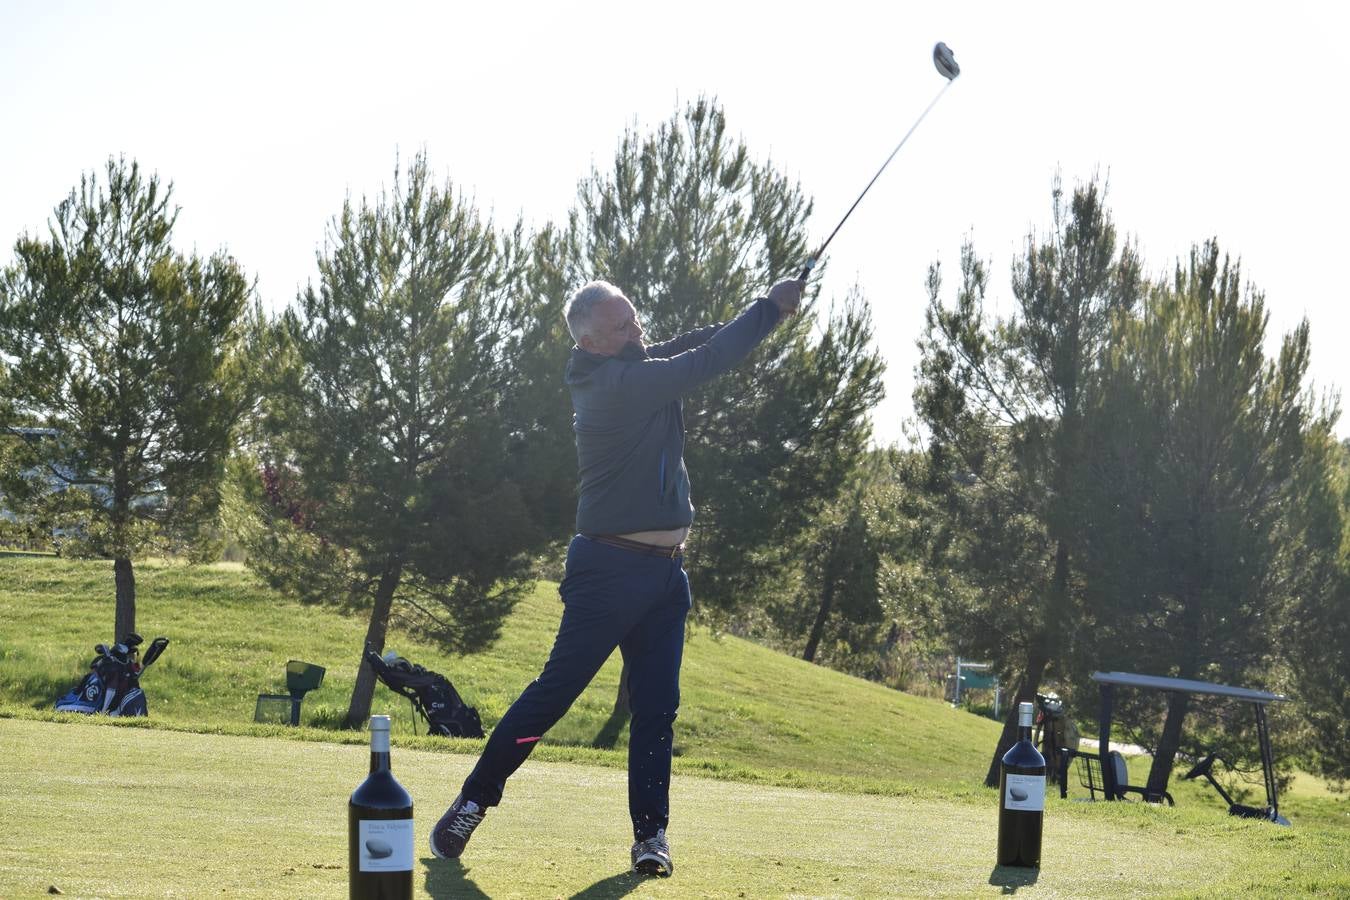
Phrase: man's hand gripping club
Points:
(787, 295)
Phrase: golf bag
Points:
(431, 694)
(1054, 732)
(112, 686)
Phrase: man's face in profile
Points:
(614, 326)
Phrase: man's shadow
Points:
(613, 887)
(446, 878)
(1010, 878)
(610, 731)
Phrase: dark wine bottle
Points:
(380, 828)
(1021, 803)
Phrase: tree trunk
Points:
(1045, 645)
(1161, 770)
(1026, 693)
(1055, 628)
(364, 691)
(818, 628)
(124, 619)
(1177, 703)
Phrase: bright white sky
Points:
(1212, 119)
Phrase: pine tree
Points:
(127, 350)
(1210, 517)
(1004, 402)
(847, 593)
(390, 480)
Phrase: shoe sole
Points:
(431, 842)
(653, 867)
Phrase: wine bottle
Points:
(1021, 803)
(380, 828)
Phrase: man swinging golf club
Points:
(624, 584)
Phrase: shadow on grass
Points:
(610, 888)
(38, 690)
(609, 733)
(1010, 878)
(448, 878)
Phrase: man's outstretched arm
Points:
(687, 341)
(654, 381)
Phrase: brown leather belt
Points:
(661, 550)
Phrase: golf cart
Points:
(1104, 770)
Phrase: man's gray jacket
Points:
(629, 422)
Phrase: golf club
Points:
(156, 648)
(947, 67)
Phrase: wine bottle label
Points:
(1024, 792)
(386, 845)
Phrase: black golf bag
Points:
(431, 695)
(1054, 732)
(113, 685)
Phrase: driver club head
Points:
(945, 61)
(946, 65)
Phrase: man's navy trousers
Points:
(612, 597)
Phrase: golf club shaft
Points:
(815, 257)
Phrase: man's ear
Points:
(585, 342)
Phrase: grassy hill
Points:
(777, 758)
(743, 706)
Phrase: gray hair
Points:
(581, 306)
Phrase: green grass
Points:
(237, 816)
(794, 780)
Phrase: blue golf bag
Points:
(112, 687)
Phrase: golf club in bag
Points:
(112, 686)
(946, 65)
(430, 693)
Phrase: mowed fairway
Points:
(103, 811)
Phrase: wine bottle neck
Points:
(379, 761)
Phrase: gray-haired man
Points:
(624, 584)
